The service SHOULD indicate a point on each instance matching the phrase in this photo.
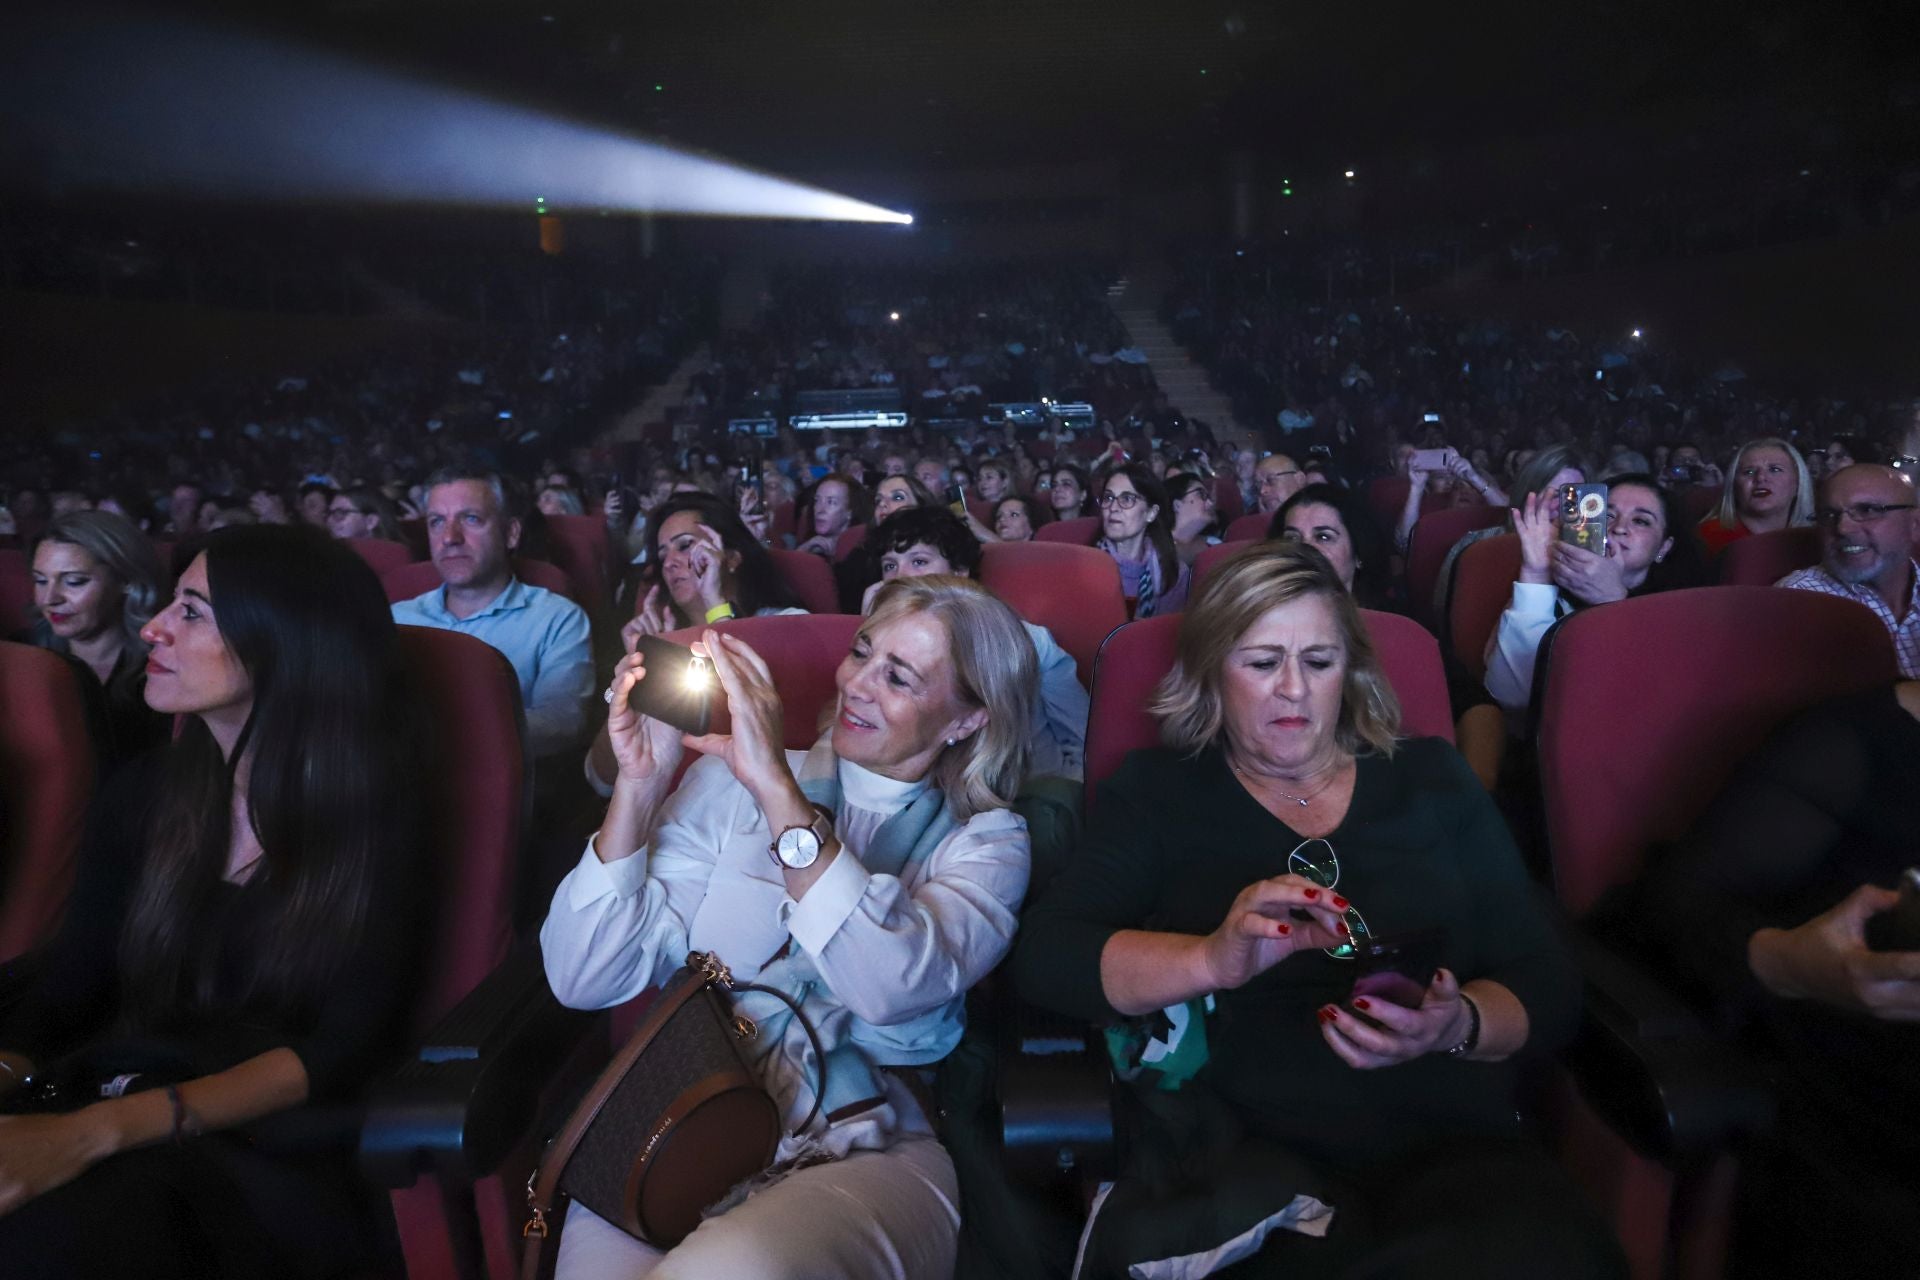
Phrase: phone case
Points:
(1399, 967)
(1583, 516)
(678, 688)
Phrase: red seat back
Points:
(16, 591)
(1695, 680)
(1209, 560)
(850, 539)
(1251, 527)
(803, 651)
(1435, 535)
(1483, 579)
(418, 577)
(1081, 531)
(471, 699)
(1764, 558)
(1387, 496)
(582, 550)
(808, 576)
(1074, 592)
(1138, 655)
(380, 554)
(46, 782)
(1699, 501)
(414, 530)
(1227, 502)
(780, 523)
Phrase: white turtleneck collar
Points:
(865, 789)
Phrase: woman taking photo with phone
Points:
(1229, 885)
(242, 940)
(705, 566)
(874, 879)
(1648, 548)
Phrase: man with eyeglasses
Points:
(1276, 479)
(1866, 514)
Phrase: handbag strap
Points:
(702, 970)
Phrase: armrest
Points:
(1647, 1065)
(1056, 1099)
(473, 1088)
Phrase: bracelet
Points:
(1472, 1040)
(719, 612)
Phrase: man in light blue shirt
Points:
(472, 535)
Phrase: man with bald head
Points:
(1867, 517)
(1276, 479)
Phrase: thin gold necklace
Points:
(1299, 800)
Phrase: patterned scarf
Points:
(1148, 587)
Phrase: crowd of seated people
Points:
(1221, 886)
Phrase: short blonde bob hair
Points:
(994, 668)
(1728, 512)
(1190, 702)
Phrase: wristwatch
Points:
(798, 847)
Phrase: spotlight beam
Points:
(150, 105)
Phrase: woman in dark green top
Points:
(1210, 916)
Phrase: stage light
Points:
(1349, 175)
(150, 105)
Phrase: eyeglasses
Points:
(341, 513)
(1268, 478)
(1326, 874)
(1905, 462)
(1859, 512)
(1126, 501)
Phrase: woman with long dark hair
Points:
(241, 940)
(706, 565)
(1136, 530)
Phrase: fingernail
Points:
(1312, 894)
(1285, 929)
(1333, 1014)
(1339, 902)
(1322, 1016)
(1344, 931)
(1361, 1004)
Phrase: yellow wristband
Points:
(720, 611)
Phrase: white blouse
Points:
(892, 950)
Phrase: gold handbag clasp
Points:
(708, 966)
(744, 1028)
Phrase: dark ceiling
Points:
(902, 85)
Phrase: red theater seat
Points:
(582, 550)
(46, 782)
(1764, 558)
(16, 591)
(418, 577)
(1227, 502)
(1483, 578)
(381, 555)
(1138, 655)
(849, 541)
(1074, 592)
(803, 651)
(1387, 496)
(1433, 537)
(1207, 561)
(1081, 531)
(1697, 502)
(1250, 528)
(808, 576)
(1650, 1111)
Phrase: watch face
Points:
(799, 848)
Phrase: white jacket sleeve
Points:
(891, 953)
(617, 928)
(1516, 642)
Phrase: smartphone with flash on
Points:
(1583, 516)
(678, 688)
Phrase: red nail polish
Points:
(1285, 929)
(1361, 1004)
(1312, 894)
(1339, 902)
(1344, 931)
(1333, 1015)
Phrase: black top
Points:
(351, 1027)
(1829, 803)
(1171, 843)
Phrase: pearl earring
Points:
(952, 741)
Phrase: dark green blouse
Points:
(1173, 840)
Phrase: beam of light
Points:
(154, 106)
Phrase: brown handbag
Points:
(674, 1122)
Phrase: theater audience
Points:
(932, 541)
(472, 531)
(363, 513)
(1067, 493)
(1210, 920)
(1275, 479)
(1767, 488)
(1769, 914)
(902, 872)
(1648, 549)
(1340, 526)
(1544, 474)
(96, 582)
(557, 501)
(832, 504)
(242, 940)
(1868, 531)
(1457, 484)
(1135, 520)
(706, 566)
(897, 493)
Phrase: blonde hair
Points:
(1728, 514)
(1189, 701)
(124, 555)
(994, 668)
